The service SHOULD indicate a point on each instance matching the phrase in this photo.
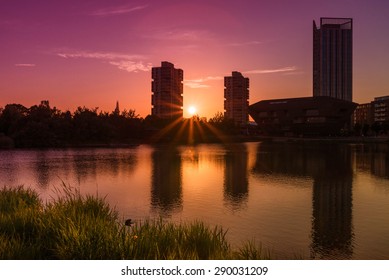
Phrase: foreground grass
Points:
(86, 227)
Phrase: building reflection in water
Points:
(166, 181)
(236, 176)
(330, 167)
(332, 230)
(373, 159)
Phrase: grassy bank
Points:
(86, 227)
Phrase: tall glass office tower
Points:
(333, 58)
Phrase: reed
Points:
(250, 250)
(86, 227)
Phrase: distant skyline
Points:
(93, 53)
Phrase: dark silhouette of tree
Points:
(125, 125)
(12, 118)
(37, 126)
(90, 127)
(224, 124)
(130, 114)
(218, 118)
(45, 126)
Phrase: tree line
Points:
(45, 126)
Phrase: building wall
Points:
(363, 114)
(236, 98)
(332, 58)
(320, 115)
(167, 91)
(381, 109)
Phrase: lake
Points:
(311, 200)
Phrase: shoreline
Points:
(228, 140)
(350, 140)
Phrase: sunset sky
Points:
(93, 53)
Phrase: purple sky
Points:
(93, 53)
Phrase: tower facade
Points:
(167, 91)
(236, 98)
(332, 58)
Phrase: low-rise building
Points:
(381, 109)
(363, 114)
(318, 115)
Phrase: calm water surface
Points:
(309, 200)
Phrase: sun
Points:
(192, 110)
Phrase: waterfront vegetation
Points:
(74, 226)
(43, 126)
